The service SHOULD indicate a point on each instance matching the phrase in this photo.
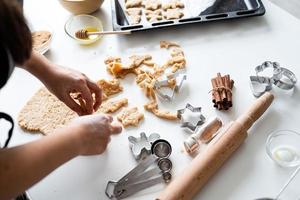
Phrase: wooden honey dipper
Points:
(84, 34)
(204, 166)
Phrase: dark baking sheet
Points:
(217, 10)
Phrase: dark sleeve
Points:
(20, 2)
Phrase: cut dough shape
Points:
(173, 5)
(134, 15)
(177, 60)
(113, 106)
(153, 107)
(130, 117)
(118, 70)
(137, 60)
(110, 87)
(133, 3)
(173, 14)
(112, 59)
(168, 44)
(177, 52)
(134, 11)
(152, 4)
(44, 113)
(152, 16)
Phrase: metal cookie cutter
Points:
(152, 170)
(141, 146)
(260, 84)
(281, 77)
(191, 122)
(285, 80)
(180, 78)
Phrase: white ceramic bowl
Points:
(39, 26)
(283, 147)
(81, 6)
(78, 22)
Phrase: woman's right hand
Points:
(93, 133)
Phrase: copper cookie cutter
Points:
(283, 78)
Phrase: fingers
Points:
(109, 118)
(87, 96)
(73, 105)
(115, 129)
(112, 128)
(98, 93)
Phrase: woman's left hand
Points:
(63, 81)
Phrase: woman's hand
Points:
(26, 164)
(63, 81)
(93, 133)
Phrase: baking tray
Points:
(195, 11)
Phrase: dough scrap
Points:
(173, 14)
(113, 106)
(133, 3)
(146, 79)
(44, 113)
(112, 59)
(177, 51)
(130, 117)
(118, 70)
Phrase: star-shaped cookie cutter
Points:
(188, 124)
(179, 78)
(141, 146)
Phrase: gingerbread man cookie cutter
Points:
(141, 146)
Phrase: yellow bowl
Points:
(81, 6)
(87, 22)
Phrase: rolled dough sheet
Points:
(44, 113)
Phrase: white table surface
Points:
(233, 47)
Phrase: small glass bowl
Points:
(78, 22)
(283, 147)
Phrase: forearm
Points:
(39, 66)
(25, 165)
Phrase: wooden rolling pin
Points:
(204, 166)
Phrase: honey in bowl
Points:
(91, 38)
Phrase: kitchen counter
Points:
(235, 47)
